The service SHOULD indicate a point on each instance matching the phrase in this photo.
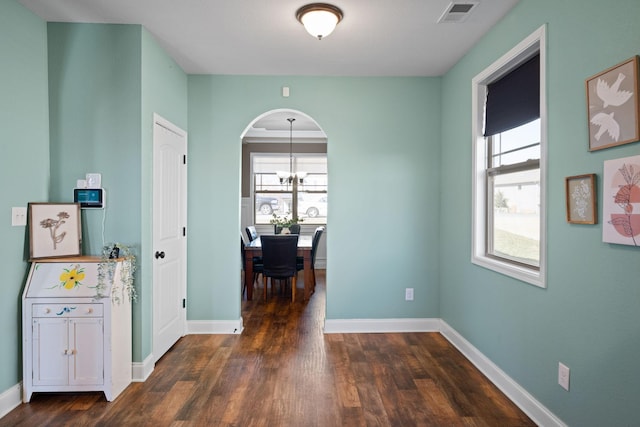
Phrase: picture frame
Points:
(581, 199)
(54, 230)
(620, 201)
(613, 106)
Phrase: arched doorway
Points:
(272, 144)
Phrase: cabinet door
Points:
(50, 351)
(86, 338)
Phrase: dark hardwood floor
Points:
(282, 371)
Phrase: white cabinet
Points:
(73, 341)
(67, 351)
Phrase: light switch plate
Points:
(18, 216)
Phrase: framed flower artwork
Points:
(54, 230)
(621, 201)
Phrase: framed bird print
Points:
(613, 106)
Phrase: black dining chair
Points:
(252, 233)
(257, 265)
(279, 260)
(317, 234)
(294, 228)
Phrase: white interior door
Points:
(169, 235)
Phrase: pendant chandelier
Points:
(290, 177)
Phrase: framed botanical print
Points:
(613, 106)
(581, 199)
(54, 230)
(621, 201)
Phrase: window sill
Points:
(530, 276)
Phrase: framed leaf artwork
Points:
(581, 199)
(621, 201)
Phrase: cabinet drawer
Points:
(67, 310)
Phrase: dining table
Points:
(254, 249)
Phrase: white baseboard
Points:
(518, 395)
(351, 326)
(10, 399)
(214, 326)
(141, 371)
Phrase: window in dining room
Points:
(304, 196)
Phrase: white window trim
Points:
(516, 56)
(252, 187)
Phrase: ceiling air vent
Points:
(457, 12)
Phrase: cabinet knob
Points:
(89, 310)
(159, 254)
(47, 310)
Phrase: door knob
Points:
(159, 254)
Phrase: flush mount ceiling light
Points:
(319, 19)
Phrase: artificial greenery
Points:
(124, 288)
(284, 221)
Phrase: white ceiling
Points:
(263, 37)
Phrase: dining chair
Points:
(257, 265)
(294, 228)
(252, 233)
(317, 234)
(279, 260)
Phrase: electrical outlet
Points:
(563, 376)
(408, 294)
(18, 216)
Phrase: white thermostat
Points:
(93, 180)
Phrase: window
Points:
(509, 120)
(513, 195)
(307, 197)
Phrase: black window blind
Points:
(514, 99)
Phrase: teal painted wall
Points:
(405, 141)
(588, 316)
(106, 81)
(383, 154)
(94, 87)
(24, 164)
(164, 91)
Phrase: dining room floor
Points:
(284, 371)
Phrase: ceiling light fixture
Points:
(319, 19)
(291, 177)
